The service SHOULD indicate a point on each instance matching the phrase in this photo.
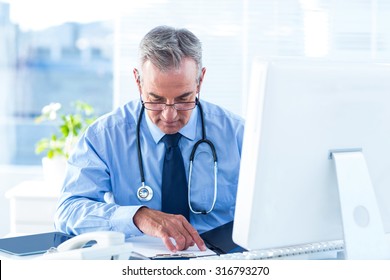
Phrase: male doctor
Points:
(154, 136)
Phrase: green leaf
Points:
(69, 125)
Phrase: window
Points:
(62, 62)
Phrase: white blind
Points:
(234, 31)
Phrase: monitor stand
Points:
(364, 236)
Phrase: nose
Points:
(169, 113)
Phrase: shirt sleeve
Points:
(81, 207)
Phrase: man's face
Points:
(175, 85)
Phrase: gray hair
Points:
(165, 47)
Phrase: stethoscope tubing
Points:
(192, 155)
(215, 190)
(140, 162)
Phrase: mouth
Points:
(170, 124)
(169, 127)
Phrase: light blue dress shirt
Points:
(105, 163)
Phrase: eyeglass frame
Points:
(195, 103)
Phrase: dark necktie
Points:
(174, 198)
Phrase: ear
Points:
(201, 79)
(137, 79)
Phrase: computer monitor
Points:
(293, 189)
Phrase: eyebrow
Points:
(180, 96)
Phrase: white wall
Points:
(10, 176)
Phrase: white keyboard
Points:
(321, 250)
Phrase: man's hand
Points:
(166, 226)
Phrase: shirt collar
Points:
(188, 131)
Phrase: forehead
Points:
(173, 81)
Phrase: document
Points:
(151, 247)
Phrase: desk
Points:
(32, 207)
(140, 247)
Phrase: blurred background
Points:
(63, 51)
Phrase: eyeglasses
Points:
(179, 106)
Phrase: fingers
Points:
(181, 234)
(168, 227)
(173, 231)
(195, 237)
(168, 243)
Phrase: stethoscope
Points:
(145, 193)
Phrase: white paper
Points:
(149, 246)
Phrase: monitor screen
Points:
(298, 111)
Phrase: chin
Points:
(169, 130)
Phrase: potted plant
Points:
(58, 146)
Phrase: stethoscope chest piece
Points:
(145, 193)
